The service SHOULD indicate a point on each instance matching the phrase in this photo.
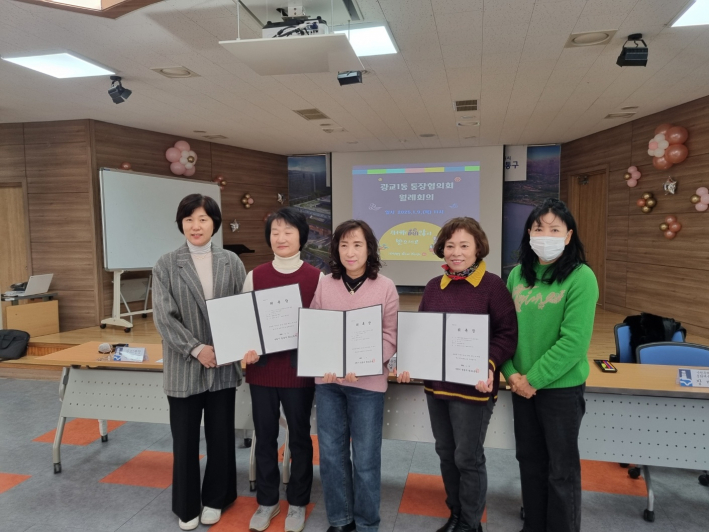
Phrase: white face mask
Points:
(548, 248)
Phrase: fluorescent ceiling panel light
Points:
(369, 38)
(88, 4)
(61, 65)
(696, 15)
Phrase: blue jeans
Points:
(351, 493)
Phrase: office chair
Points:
(624, 354)
(671, 354)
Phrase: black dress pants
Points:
(297, 404)
(547, 432)
(219, 485)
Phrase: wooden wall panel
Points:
(12, 135)
(60, 132)
(57, 168)
(645, 271)
(60, 218)
(12, 163)
(77, 309)
(72, 266)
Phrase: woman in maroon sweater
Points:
(460, 414)
(273, 381)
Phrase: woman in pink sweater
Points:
(352, 408)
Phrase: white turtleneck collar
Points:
(200, 250)
(287, 264)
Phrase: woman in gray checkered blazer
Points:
(182, 282)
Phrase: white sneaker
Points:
(210, 516)
(295, 520)
(189, 525)
(262, 517)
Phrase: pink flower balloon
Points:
(189, 172)
(251, 201)
(635, 175)
(177, 168)
(652, 145)
(182, 145)
(632, 183)
(702, 190)
(701, 207)
(173, 154)
(633, 169)
(705, 199)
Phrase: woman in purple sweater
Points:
(352, 408)
(460, 414)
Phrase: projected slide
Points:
(407, 204)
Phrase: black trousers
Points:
(547, 432)
(459, 430)
(297, 404)
(219, 485)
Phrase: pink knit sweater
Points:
(331, 294)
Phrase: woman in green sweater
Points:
(555, 295)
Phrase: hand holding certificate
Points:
(444, 347)
(340, 342)
(265, 321)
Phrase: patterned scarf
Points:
(458, 276)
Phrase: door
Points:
(587, 202)
(13, 244)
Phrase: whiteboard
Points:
(138, 215)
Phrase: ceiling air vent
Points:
(465, 105)
(620, 115)
(312, 114)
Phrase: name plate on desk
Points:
(693, 378)
(130, 354)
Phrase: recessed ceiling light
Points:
(352, 142)
(176, 72)
(697, 14)
(198, 131)
(372, 38)
(427, 135)
(629, 108)
(619, 115)
(61, 65)
(470, 137)
(589, 38)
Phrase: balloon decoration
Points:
(265, 217)
(669, 186)
(631, 176)
(667, 146)
(280, 198)
(701, 199)
(670, 227)
(219, 180)
(182, 159)
(647, 202)
(234, 225)
(247, 201)
(126, 166)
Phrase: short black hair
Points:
(373, 265)
(293, 218)
(572, 257)
(193, 202)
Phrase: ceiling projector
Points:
(295, 23)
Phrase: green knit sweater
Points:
(555, 324)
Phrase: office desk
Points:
(94, 387)
(38, 320)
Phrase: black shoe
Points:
(450, 524)
(347, 528)
(462, 526)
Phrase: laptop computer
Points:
(38, 284)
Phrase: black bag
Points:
(13, 344)
(648, 328)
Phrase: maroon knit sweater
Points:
(489, 297)
(279, 369)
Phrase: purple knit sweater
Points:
(489, 297)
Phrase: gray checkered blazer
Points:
(181, 318)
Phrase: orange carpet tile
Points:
(150, 469)
(79, 432)
(316, 450)
(609, 477)
(237, 517)
(10, 480)
(425, 495)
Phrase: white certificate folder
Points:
(340, 342)
(444, 347)
(264, 320)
